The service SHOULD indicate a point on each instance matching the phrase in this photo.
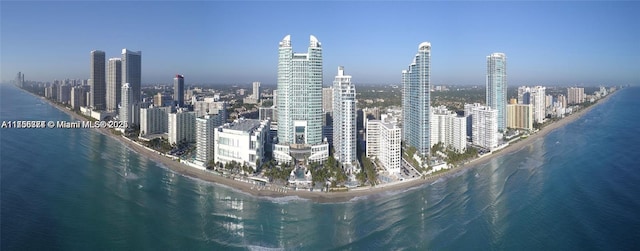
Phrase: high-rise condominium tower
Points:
(344, 121)
(416, 100)
(97, 80)
(126, 104)
(497, 86)
(300, 94)
(114, 83)
(299, 101)
(178, 90)
(132, 72)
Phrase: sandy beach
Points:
(327, 197)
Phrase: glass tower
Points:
(178, 90)
(497, 87)
(416, 83)
(114, 83)
(132, 73)
(97, 80)
(299, 94)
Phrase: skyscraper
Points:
(126, 104)
(300, 102)
(256, 90)
(178, 90)
(344, 121)
(114, 83)
(204, 139)
(485, 127)
(416, 83)
(132, 72)
(497, 86)
(97, 80)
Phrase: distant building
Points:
(536, 97)
(520, 116)
(154, 120)
(485, 127)
(77, 97)
(243, 141)
(114, 83)
(548, 101)
(575, 95)
(178, 90)
(562, 100)
(416, 100)
(256, 90)
(327, 106)
(64, 94)
(132, 73)
(269, 113)
(497, 86)
(97, 80)
(344, 122)
(181, 127)
(210, 106)
(383, 142)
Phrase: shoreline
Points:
(324, 197)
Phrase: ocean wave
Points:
(261, 248)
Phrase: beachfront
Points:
(271, 190)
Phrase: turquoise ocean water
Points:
(578, 188)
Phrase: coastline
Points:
(326, 197)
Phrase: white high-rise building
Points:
(154, 120)
(416, 101)
(256, 90)
(126, 105)
(535, 96)
(204, 139)
(242, 141)
(299, 104)
(181, 127)
(384, 142)
(114, 83)
(575, 95)
(497, 86)
(449, 128)
(344, 121)
(485, 127)
(538, 101)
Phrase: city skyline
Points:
(547, 43)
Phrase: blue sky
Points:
(548, 43)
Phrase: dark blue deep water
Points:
(578, 188)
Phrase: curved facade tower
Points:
(299, 98)
(416, 84)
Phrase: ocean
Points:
(577, 188)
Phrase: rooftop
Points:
(245, 125)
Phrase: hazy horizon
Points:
(546, 43)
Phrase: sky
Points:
(546, 43)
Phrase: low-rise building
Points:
(243, 141)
